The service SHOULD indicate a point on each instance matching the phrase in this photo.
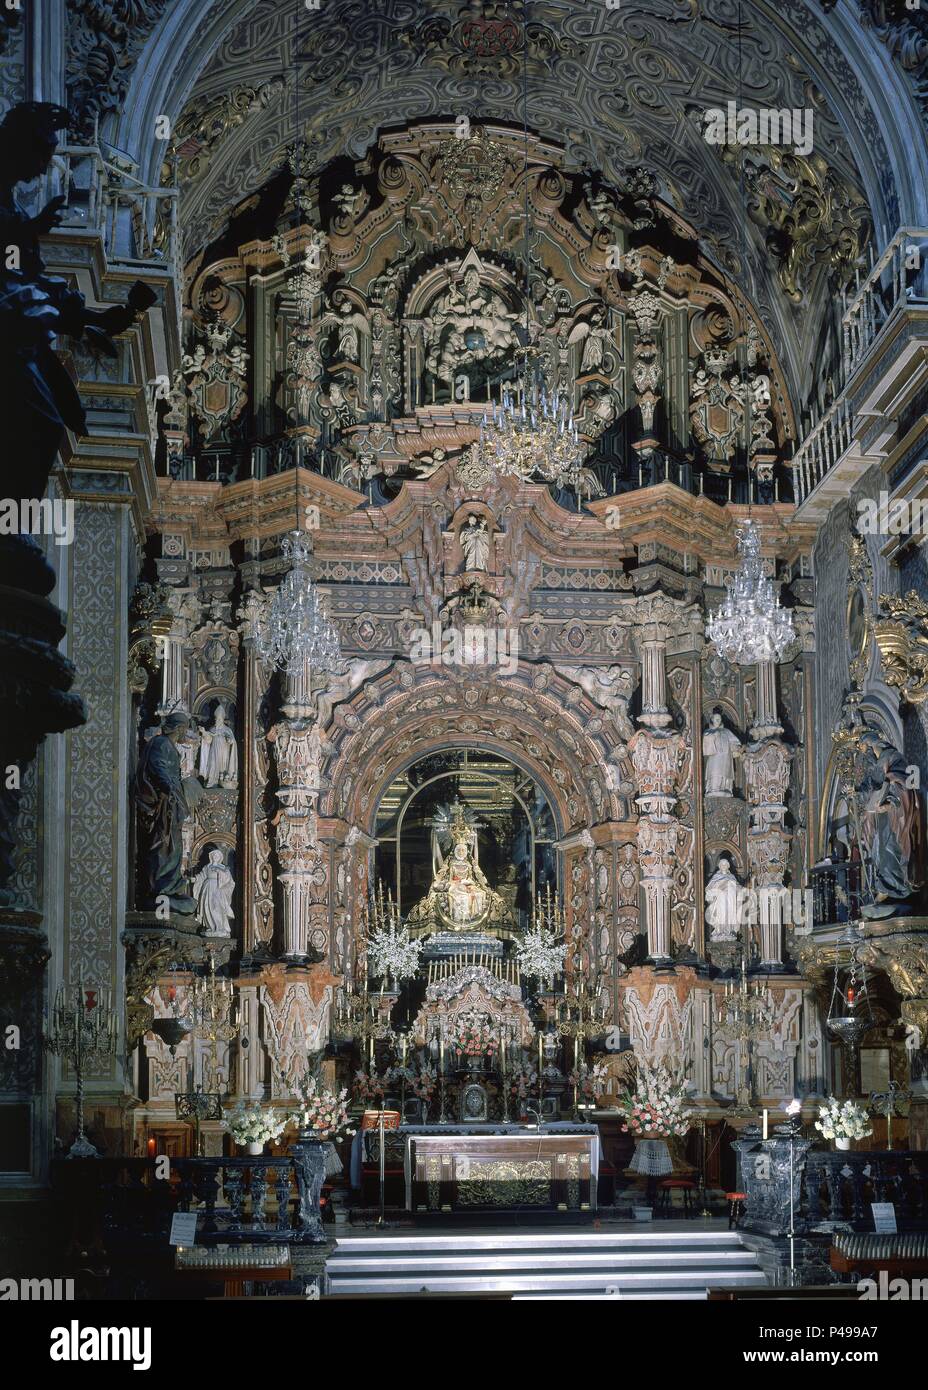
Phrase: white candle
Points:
(765, 1124)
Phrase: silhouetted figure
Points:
(162, 809)
(37, 395)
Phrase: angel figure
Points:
(351, 323)
(607, 686)
(348, 200)
(593, 333)
(426, 464)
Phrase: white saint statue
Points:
(219, 753)
(721, 747)
(213, 887)
(723, 903)
(475, 542)
(187, 748)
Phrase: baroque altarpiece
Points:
(521, 722)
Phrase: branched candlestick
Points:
(745, 1015)
(214, 1007)
(578, 1015)
(198, 1105)
(890, 1103)
(83, 1030)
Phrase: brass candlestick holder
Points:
(84, 1029)
(745, 1015)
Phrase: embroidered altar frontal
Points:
(448, 1171)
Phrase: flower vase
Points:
(309, 1156)
(843, 1144)
(255, 1148)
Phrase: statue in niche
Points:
(349, 338)
(350, 324)
(594, 333)
(890, 816)
(720, 748)
(468, 324)
(607, 686)
(475, 542)
(188, 748)
(219, 753)
(162, 808)
(460, 898)
(213, 887)
(723, 903)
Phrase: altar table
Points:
(458, 1167)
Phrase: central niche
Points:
(511, 829)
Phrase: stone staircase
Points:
(545, 1264)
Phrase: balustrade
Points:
(897, 279)
(238, 1199)
(841, 1186)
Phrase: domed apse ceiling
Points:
(621, 90)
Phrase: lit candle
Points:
(152, 1148)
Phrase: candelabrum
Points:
(84, 1029)
(214, 1007)
(214, 1011)
(392, 955)
(197, 1105)
(364, 1018)
(745, 1015)
(578, 1014)
(890, 1103)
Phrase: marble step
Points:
(652, 1283)
(650, 1265)
(389, 1260)
(547, 1239)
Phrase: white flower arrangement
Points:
(657, 1106)
(253, 1124)
(590, 1080)
(323, 1111)
(540, 956)
(843, 1120)
(393, 954)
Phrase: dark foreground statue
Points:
(162, 809)
(37, 397)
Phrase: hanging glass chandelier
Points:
(532, 434)
(297, 632)
(750, 625)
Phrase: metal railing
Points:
(897, 279)
(841, 1186)
(137, 223)
(257, 1200)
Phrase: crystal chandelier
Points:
(750, 625)
(532, 434)
(297, 631)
